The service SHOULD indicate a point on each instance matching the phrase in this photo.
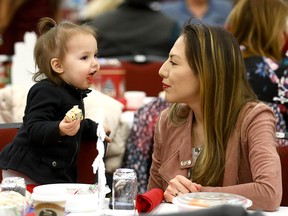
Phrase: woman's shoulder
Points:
(253, 110)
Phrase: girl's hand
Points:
(180, 185)
(69, 128)
(107, 131)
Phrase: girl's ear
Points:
(56, 65)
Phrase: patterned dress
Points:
(269, 81)
(139, 146)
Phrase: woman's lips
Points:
(165, 86)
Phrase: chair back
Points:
(7, 133)
(283, 153)
(143, 77)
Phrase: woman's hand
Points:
(180, 185)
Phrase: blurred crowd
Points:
(142, 18)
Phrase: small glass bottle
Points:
(124, 189)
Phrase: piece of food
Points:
(197, 202)
(73, 114)
(13, 198)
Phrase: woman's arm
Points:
(265, 189)
(154, 178)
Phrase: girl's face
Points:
(179, 81)
(80, 62)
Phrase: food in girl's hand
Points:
(74, 114)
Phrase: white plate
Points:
(200, 200)
(80, 197)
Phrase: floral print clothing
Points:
(269, 81)
(139, 146)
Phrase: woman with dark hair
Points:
(216, 136)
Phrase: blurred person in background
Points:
(261, 28)
(139, 145)
(135, 28)
(96, 7)
(212, 12)
(20, 16)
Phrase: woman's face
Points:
(180, 83)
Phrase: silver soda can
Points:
(124, 189)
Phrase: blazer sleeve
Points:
(258, 137)
(155, 180)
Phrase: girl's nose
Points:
(96, 63)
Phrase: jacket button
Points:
(54, 163)
(189, 162)
(182, 163)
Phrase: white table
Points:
(163, 208)
(169, 208)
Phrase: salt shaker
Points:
(124, 189)
(16, 184)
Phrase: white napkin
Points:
(99, 165)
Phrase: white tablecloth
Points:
(163, 208)
(169, 208)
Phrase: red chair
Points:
(283, 153)
(7, 132)
(143, 76)
(86, 157)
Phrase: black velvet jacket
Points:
(38, 150)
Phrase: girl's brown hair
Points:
(256, 24)
(215, 57)
(52, 43)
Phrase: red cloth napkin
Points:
(148, 201)
(29, 187)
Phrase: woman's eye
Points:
(172, 62)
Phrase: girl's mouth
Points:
(90, 77)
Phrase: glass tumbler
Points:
(124, 189)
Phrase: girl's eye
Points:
(84, 57)
(95, 56)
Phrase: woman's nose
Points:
(163, 69)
